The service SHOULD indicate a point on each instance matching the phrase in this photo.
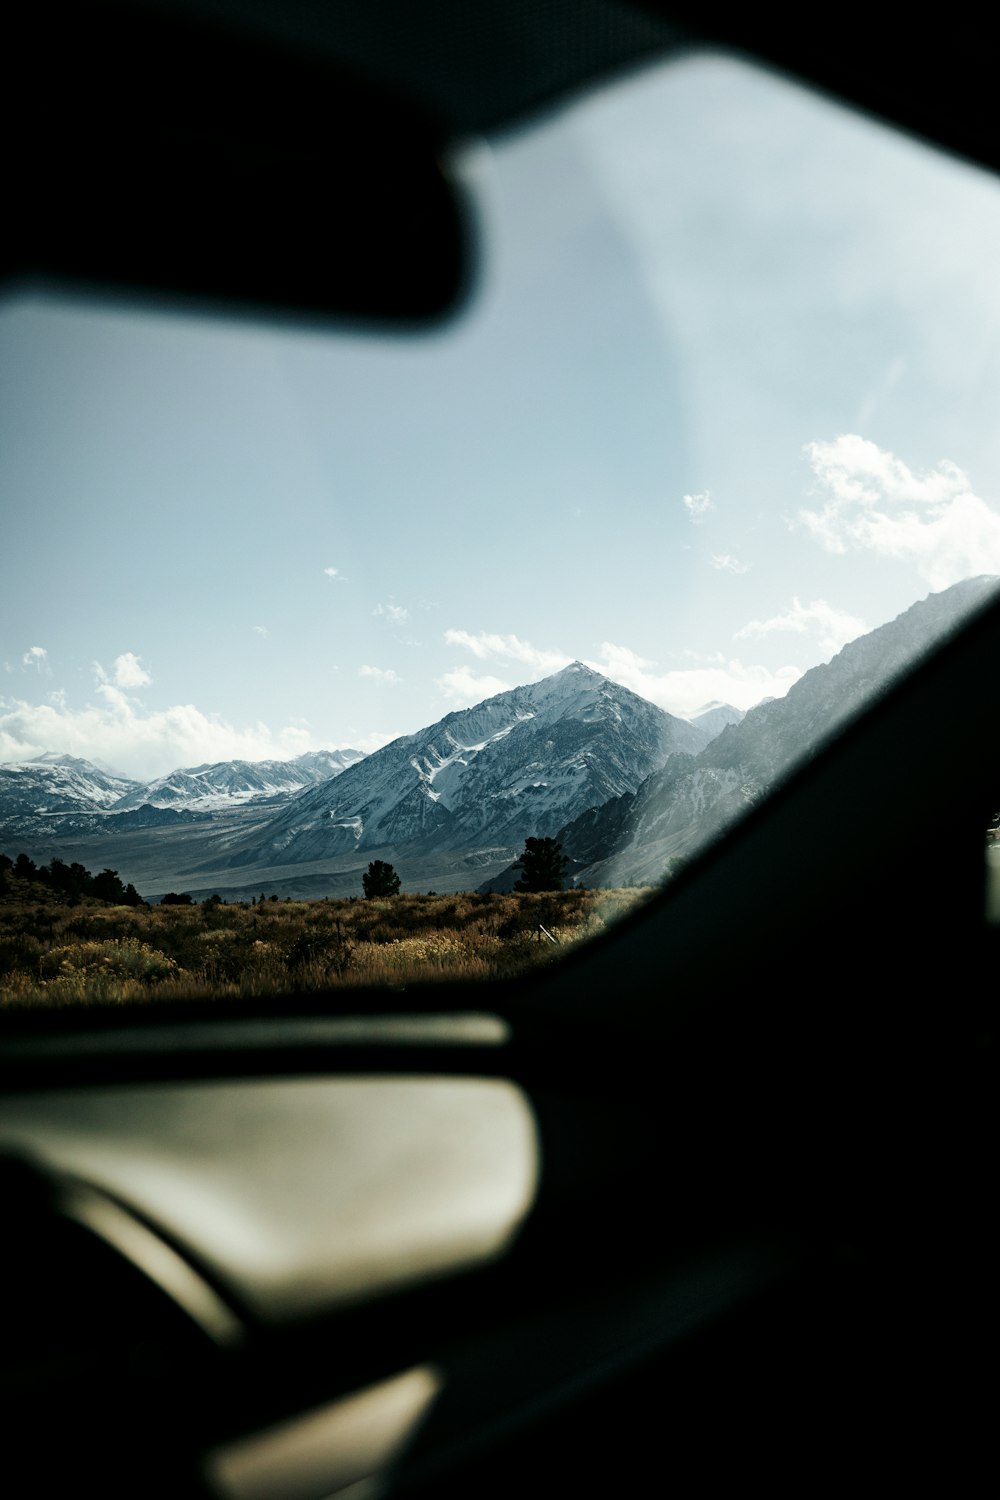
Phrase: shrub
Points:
(19, 952)
(124, 958)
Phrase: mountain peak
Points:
(575, 671)
(517, 765)
(54, 758)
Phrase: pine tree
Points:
(108, 886)
(380, 879)
(542, 866)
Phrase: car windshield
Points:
(297, 617)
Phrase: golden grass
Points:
(55, 954)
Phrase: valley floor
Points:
(194, 857)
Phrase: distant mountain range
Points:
(626, 787)
(229, 782)
(62, 794)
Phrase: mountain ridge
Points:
(691, 800)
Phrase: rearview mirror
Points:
(157, 158)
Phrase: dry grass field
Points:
(54, 952)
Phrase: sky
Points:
(725, 398)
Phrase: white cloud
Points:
(394, 613)
(261, 630)
(678, 692)
(126, 673)
(683, 691)
(379, 674)
(854, 468)
(698, 506)
(367, 743)
(463, 687)
(35, 656)
(832, 627)
(129, 673)
(622, 664)
(871, 501)
(727, 563)
(487, 646)
(119, 733)
(334, 573)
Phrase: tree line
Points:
(73, 880)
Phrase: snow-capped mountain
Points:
(61, 794)
(521, 763)
(58, 784)
(683, 806)
(228, 783)
(714, 716)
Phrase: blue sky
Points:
(726, 398)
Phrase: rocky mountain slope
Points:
(686, 804)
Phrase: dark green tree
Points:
(60, 877)
(109, 886)
(542, 866)
(380, 879)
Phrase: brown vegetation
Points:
(67, 952)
